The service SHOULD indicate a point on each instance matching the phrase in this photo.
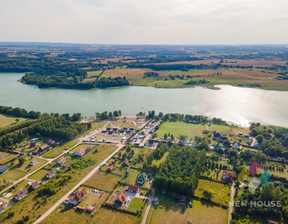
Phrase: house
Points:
(236, 145)
(21, 194)
(3, 169)
(218, 137)
(216, 147)
(43, 147)
(125, 163)
(90, 209)
(142, 178)
(110, 168)
(34, 162)
(51, 174)
(80, 152)
(33, 139)
(34, 185)
(182, 200)
(115, 129)
(34, 150)
(227, 176)
(255, 143)
(65, 165)
(132, 188)
(61, 160)
(77, 196)
(32, 144)
(120, 199)
(51, 141)
(1, 208)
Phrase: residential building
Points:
(51, 174)
(80, 152)
(3, 169)
(142, 178)
(61, 160)
(77, 196)
(120, 199)
(34, 162)
(21, 194)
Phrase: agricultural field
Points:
(6, 157)
(7, 120)
(169, 211)
(220, 191)
(103, 181)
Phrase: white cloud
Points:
(145, 21)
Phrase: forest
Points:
(181, 170)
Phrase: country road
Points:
(48, 212)
(79, 140)
(231, 203)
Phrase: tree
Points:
(21, 161)
(207, 194)
(226, 143)
(260, 139)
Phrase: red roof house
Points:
(80, 152)
(61, 160)
(77, 196)
(132, 188)
(120, 199)
(110, 168)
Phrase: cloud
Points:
(145, 21)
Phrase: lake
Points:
(234, 104)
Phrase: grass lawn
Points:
(6, 157)
(11, 175)
(96, 125)
(33, 206)
(181, 128)
(6, 120)
(58, 150)
(26, 167)
(132, 177)
(39, 175)
(169, 211)
(103, 181)
(93, 199)
(121, 124)
(220, 191)
(103, 216)
(136, 204)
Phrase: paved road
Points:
(231, 203)
(120, 146)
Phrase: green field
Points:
(220, 191)
(169, 211)
(11, 175)
(58, 150)
(103, 181)
(6, 157)
(6, 120)
(39, 175)
(181, 128)
(191, 130)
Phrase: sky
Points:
(145, 21)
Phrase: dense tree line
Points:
(198, 119)
(181, 170)
(108, 115)
(264, 195)
(194, 82)
(19, 112)
(53, 127)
